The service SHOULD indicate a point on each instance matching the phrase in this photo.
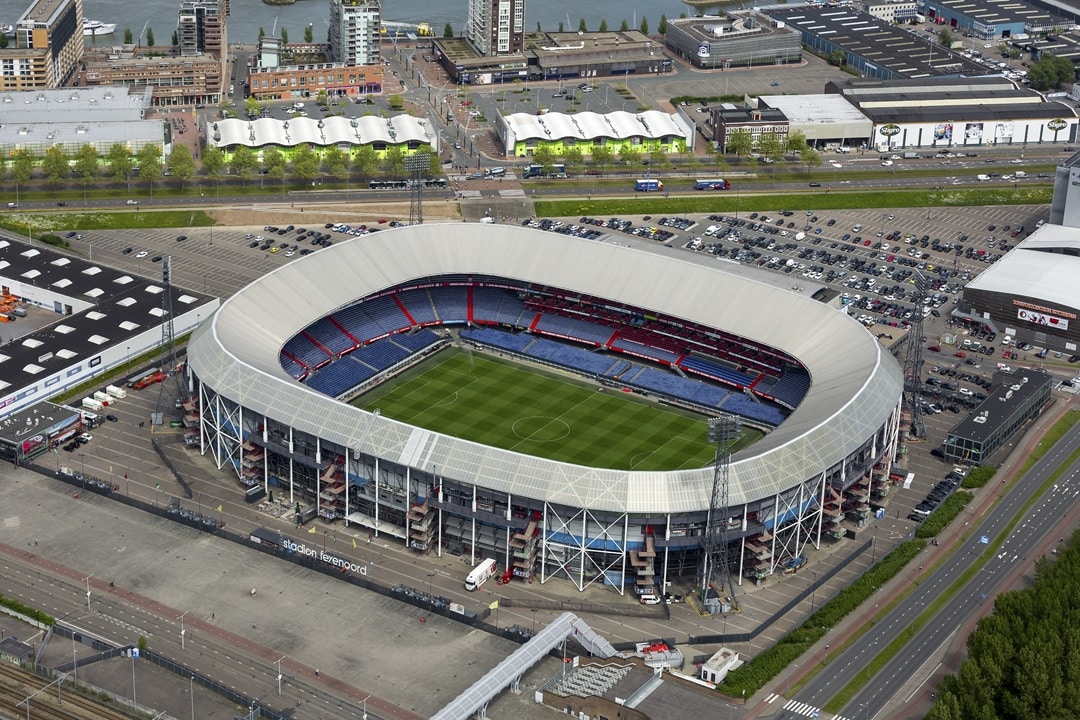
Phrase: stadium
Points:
(634, 342)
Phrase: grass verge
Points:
(38, 223)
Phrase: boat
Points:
(6, 29)
(96, 27)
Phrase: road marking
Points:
(802, 708)
(772, 698)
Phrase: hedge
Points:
(32, 613)
(943, 514)
(977, 477)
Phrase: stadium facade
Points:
(825, 390)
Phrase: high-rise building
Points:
(496, 27)
(200, 27)
(48, 46)
(355, 31)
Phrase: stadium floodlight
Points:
(416, 164)
(723, 430)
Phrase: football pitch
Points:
(497, 402)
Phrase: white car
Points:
(132, 202)
(965, 391)
(141, 254)
(86, 437)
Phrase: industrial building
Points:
(737, 39)
(272, 368)
(1030, 295)
(872, 47)
(995, 19)
(652, 130)
(826, 120)
(48, 46)
(74, 117)
(104, 316)
(1018, 397)
(1065, 206)
(957, 112)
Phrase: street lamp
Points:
(87, 579)
(278, 663)
(429, 576)
(364, 701)
(183, 632)
(794, 667)
(191, 692)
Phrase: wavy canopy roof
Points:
(329, 131)
(618, 125)
(856, 385)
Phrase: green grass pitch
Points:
(506, 405)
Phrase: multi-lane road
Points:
(904, 680)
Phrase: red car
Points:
(960, 354)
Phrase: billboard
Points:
(1039, 318)
(973, 131)
(1003, 131)
(943, 131)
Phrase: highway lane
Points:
(1039, 521)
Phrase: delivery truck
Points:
(480, 574)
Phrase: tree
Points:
(945, 37)
(561, 28)
(1051, 72)
(243, 163)
(659, 160)
(3, 41)
(545, 157)
(394, 162)
(275, 165)
(175, 39)
(322, 98)
(603, 25)
(602, 156)
(662, 27)
(397, 103)
(335, 162)
(55, 165)
(305, 165)
(630, 155)
(86, 164)
(364, 161)
(811, 158)
(181, 164)
(837, 58)
(770, 146)
(644, 27)
(719, 159)
(581, 26)
(119, 162)
(285, 35)
(213, 162)
(149, 160)
(739, 143)
(149, 36)
(128, 37)
(624, 26)
(448, 31)
(262, 32)
(796, 143)
(574, 159)
(309, 33)
(22, 166)
(252, 107)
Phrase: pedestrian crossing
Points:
(803, 708)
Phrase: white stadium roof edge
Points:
(856, 384)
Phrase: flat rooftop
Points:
(108, 306)
(1001, 12)
(880, 44)
(23, 426)
(1010, 390)
(84, 104)
(41, 11)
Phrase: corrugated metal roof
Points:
(328, 131)
(1038, 268)
(855, 388)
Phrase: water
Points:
(249, 15)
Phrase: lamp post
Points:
(87, 580)
(183, 633)
(278, 663)
(364, 701)
(134, 699)
(534, 621)
(191, 692)
(429, 576)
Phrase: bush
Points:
(54, 240)
(33, 613)
(943, 515)
(977, 477)
(754, 675)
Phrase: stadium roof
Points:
(855, 388)
(329, 131)
(1045, 266)
(589, 125)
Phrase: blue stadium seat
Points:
(418, 303)
(339, 377)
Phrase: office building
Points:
(48, 46)
(354, 31)
(496, 27)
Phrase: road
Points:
(1039, 523)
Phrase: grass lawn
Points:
(506, 405)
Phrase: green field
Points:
(503, 404)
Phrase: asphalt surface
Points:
(1038, 523)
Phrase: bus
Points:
(558, 170)
(649, 185)
(714, 184)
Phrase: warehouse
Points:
(948, 112)
(994, 19)
(825, 120)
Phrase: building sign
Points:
(889, 130)
(322, 555)
(704, 50)
(1057, 124)
(1042, 319)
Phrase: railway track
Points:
(17, 684)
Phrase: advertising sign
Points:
(1039, 318)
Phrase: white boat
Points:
(6, 29)
(96, 27)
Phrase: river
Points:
(247, 16)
